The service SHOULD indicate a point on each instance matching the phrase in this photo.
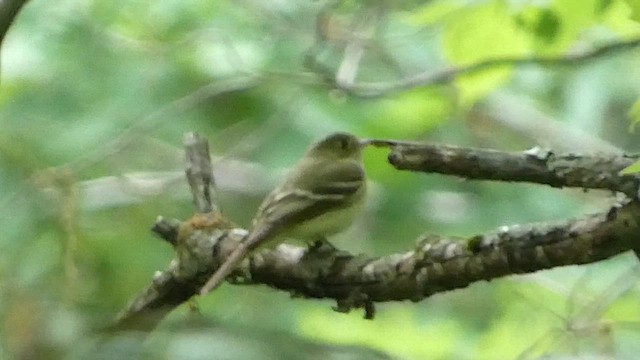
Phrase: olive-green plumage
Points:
(320, 197)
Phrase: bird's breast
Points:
(328, 223)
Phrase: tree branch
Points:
(199, 172)
(448, 74)
(436, 264)
(535, 165)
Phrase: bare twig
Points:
(599, 171)
(447, 74)
(199, 172)
(358, 36)
(587, 321)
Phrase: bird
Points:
(321, 196)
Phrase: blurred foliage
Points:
(96, 94)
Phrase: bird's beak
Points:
(377, 143)
(365, 142)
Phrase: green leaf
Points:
(622, 17)
(410, 113)
(604, 5)
(631, 169)
(474, 86)
(634, 114)
(480, 33)
(635, 9)
(543, 23)
(432, 13)
(576, 17)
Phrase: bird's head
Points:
(338, 145)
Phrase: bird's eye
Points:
(344, 144)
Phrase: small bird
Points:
(320, 197)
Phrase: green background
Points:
(96, 96)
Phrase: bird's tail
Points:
(232, 261)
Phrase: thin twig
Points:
(447, 74)
(199, 173)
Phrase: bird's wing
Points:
(300, 199)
